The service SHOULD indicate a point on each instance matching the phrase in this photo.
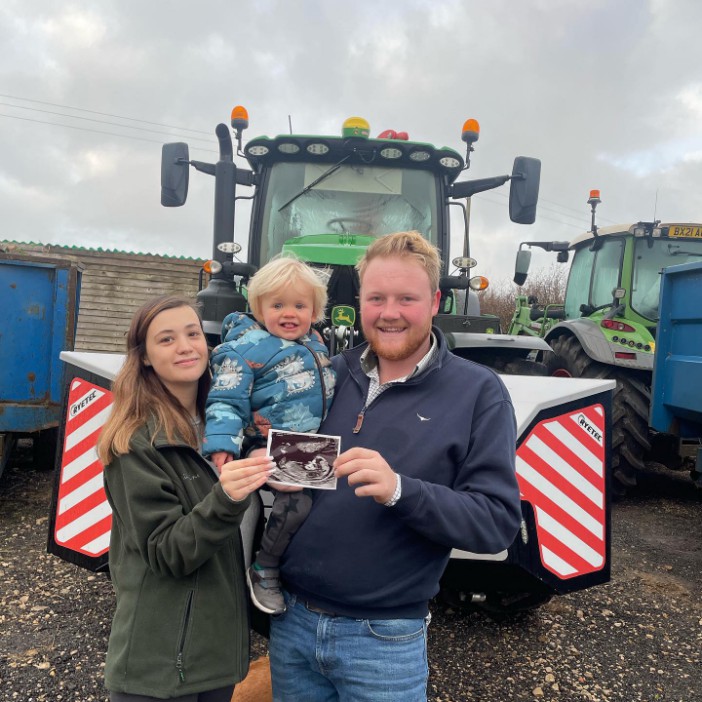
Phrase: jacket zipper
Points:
(361, 415)
(186, 619)
(359, 421)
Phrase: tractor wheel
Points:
(630, 405)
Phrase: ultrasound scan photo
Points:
(303, 459)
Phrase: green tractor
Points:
(606, 328)
(324, 198)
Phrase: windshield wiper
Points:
(686, 253)
(681, 252)
(309, 187)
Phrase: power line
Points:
(541, 216)
(103, 114)
(86, 129)
(579, 214)
(90, 119)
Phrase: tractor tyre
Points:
(630, 407)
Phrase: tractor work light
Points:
(288, 147)
(257, 150)
(355, 127)
(450, 162)
(464, 262)
(229, 247)
(389, 152)
(420, 155)
(317, 149)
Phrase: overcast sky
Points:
(608, 94)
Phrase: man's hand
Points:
(370, 471)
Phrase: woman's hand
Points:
(242, 477)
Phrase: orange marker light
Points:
(240, 117)
(471, 130)
(479, 282)
(212, 267)
(595, 193)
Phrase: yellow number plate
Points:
(686, 230)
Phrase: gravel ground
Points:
(638, 638)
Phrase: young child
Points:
(271, 373)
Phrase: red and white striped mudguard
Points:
(83, 515)
(561, 472)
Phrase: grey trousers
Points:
(289, 510)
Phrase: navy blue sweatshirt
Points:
(450, 433)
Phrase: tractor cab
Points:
(325, 199)
(625, 263)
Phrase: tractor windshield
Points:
(595, 272)
(650, 256)
(354, 199)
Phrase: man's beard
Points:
(392, 351)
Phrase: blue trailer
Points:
(676, 398)
(39, 303)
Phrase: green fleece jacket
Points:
(181, 622)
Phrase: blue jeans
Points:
(323, 658)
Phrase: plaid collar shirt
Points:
(369, 365)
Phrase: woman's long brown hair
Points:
(139, 394)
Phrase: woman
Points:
(180, 629)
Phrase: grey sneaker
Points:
(264, 585)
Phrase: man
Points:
(428, 443)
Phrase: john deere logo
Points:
(343, 316)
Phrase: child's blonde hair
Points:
(282, 272)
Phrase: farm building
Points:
(114, 284)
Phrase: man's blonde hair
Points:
(283, 272)
(405, 244)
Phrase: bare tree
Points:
(547, 285)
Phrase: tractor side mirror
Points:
(175, 162)
(521, 266)
(524, 189)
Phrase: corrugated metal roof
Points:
(98, 249)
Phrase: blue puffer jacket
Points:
(262, 381)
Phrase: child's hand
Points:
(219, 458)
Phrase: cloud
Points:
(606, 94)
